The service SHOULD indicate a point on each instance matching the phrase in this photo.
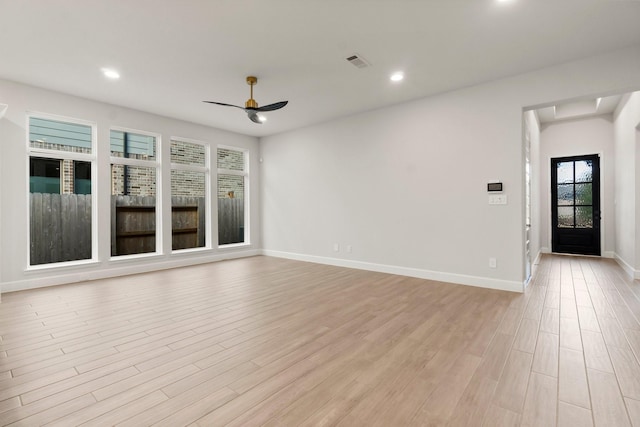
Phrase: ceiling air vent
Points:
(358, 61)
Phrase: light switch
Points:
(497, 199)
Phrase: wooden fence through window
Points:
(61, 225)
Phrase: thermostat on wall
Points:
(494, 186)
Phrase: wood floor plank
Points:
(633, 407)
(572, 379)
(499, 417)
(573, 416)
(627, 371)
(545, 359)
(570, 334)
(550, 321)
(588, 319)
(541, 401)
(512, 387)
(526, 336)
(608, 406)
(596, 355)
(474, 403)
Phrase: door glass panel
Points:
(584, 171)
(584, 217)
(565, 172)
(565, 194)
(565, 217)
(584, 194)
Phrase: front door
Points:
(575, 211)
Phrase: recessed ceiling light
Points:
(110, 73)
(396, 77)
(262, 118)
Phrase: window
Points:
(60, 184)
(232, 192)
(134, 170)
(189, 178)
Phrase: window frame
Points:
(246, 182)
(153, 164)
(206, 169)
(46, 153)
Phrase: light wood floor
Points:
(267, 341)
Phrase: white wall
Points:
(14, 218)
(405, 186)
(627, 185)
(591, 135)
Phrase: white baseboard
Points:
(175, 261)
(609, 254)
(461, 279)
(631, 272)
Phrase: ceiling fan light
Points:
(262, 118)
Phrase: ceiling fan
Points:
(251, 106)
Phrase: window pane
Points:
(230, 209)
(565, 194)
(584, 171)
(584, 217)
(230, 159)
(61, 136)
(186, 153)
(584, 195)
(44, 175)
(82, 177)
(565, 172)
(133, 207)
(132, 145)
(565, 217)
(60, 221)
(188, 210)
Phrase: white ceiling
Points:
(578, 109)
(173, 54)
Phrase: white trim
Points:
(116, 271)
(538, 258)
(461, 279)
(139, 163)
(608, 254)
(633, 274)
(60, 154)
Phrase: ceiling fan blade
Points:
(222, 103)
(253, 115)
(272, 107)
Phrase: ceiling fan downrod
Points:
(251, 103)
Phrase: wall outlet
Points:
(336, 247)
(348, 249)
(493, 263)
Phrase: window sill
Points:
(189, 251)
(235, 246)
(69, 265)
(134, 257)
